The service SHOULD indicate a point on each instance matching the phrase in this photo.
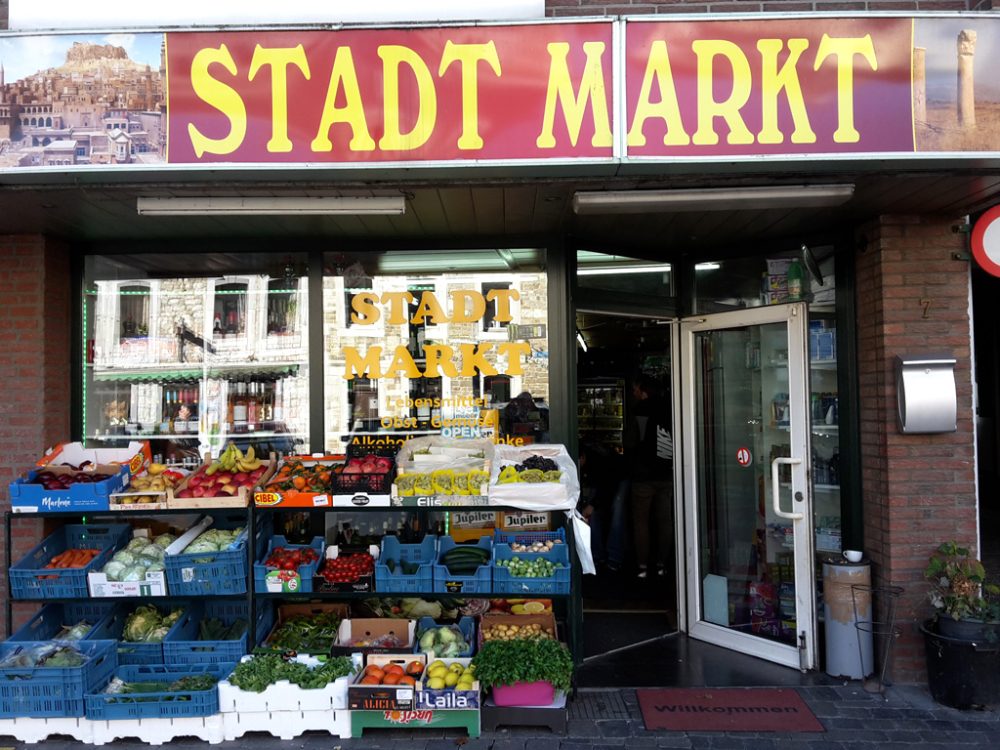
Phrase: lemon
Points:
(467, 674)
(438, 672)
(435, 683)
(456, 667)
(435, 665)
(465, 683)
(451, 679)
(533, 607)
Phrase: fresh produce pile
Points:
(512, 661)
(441, 676)
(213, 540)
(446, 641)
(392, 674)
(141, 556)
(370, 473)
(389, 640)
(295, 475)
(73, 632)
(532, 469)
(406, 567)
(350, 568)
(136, 690)
(414, 608)
(256, 673)
(530, 631)
(465, 559)
(157, 478)
(310, 634)
(52, 480)
(214, 629)
(537, 568)
(228, 473)
(536, 546)
(442, 482)
(46, 655)
(290, 558)
(73, 558)
(147, 624)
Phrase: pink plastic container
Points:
(524, 694)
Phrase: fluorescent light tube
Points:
(618, 270)
(271, 205)
(710, 199)
(581, 341)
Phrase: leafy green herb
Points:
(255, 674)
(519, 660)
(312, 634)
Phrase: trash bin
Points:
(848, 649)
(961, 674)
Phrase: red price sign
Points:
(744, 457)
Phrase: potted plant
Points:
(963, 641)
(523, 672)
(967, 606)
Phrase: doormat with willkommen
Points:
(727, 710)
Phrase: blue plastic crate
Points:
(505, 583)
(30, 579)
(212, 573)
(306, 572)
(424, 553)
(50, 619)
(528, 537)
(185, 648)
(101, 706)
(466, 624)
(52, 692)
(139, 653)
(478, 583)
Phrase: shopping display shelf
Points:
(394, 595)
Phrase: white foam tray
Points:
(283, 696)
(150, 731)
(286, 725)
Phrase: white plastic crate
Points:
(286, 725)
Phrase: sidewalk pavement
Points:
(903, 718)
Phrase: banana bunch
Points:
(233, 459)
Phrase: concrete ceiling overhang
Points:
(469, 205)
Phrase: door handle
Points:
(775, 497)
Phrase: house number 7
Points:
(926, 304)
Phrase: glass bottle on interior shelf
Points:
(240, 407)
(279, 408)
(252, 406)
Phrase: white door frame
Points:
(805, 655)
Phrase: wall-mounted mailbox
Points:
(925, 395)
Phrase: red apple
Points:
(185, 493)
(240, 477)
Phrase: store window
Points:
(624, 274)
(133, 311)
(191, 386)
(438, 365)
(230, 314)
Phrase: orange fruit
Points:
(299, 482)
(415, 668)
(391, 678)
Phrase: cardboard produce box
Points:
(154, 584)
(367, 636)
(308, 610)
(276, 495)
(396, 697)
(488, 624)
(28, 497)
(196, 482)
(449, 697)
(136, 455)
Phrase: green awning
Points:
(260, 371)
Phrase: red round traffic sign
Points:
(986, 241)
(744, 457)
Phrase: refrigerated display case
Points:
(601, 411)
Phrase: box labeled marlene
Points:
(68, 490)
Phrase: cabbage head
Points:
(156, 635)
(164, 540)
(137, 543)
(140, 623)
(114, 569)
(124, 556)
(134, 573)
(152, 550)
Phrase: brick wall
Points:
(35, 323)
(919, 490)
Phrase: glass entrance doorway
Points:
(747, 499)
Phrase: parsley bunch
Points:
(520, 660)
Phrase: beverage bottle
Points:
(240, 405)
(795, 279)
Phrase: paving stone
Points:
(614, 728)
(582, 728)
(674, 739)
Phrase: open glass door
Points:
(747, 503)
